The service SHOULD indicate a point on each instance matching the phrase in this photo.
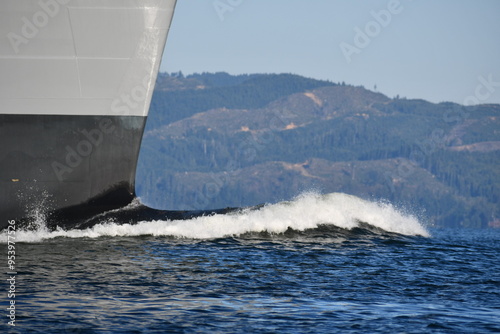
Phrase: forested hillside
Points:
(216, 140)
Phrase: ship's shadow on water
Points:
(137, 212)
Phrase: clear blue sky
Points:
(438, 50)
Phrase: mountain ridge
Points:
(436, 157)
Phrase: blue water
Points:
(283, 269)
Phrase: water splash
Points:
(37, 202)
(307, 211)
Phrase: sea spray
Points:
(305, 212)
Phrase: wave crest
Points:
(307, 211)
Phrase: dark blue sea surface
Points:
(345, 277)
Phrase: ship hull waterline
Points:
(74, 171)
(76, 85)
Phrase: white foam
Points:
(307, 211)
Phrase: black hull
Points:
(66, 169)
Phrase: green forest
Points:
(216, 140)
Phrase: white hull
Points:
(81, 57)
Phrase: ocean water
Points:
(318, 264)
